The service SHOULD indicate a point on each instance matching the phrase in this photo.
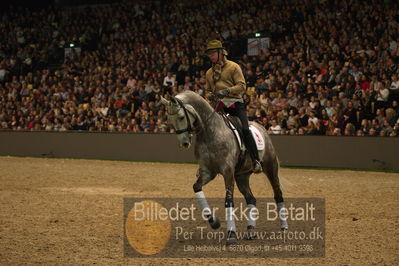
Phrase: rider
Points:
(226, 81)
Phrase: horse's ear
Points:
(163, 101)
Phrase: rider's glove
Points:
(212, 98)
(222, 93)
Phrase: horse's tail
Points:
(286, 185)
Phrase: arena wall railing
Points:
(376, 153)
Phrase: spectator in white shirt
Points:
(394, 89)
(312, 118)
(169, 80)
(275, 128)
(382, 95)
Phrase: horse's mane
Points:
(191, 97)
(197, 101)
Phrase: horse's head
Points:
(183, 117)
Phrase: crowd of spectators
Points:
(331, 68)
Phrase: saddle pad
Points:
(259, 140)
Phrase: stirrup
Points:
(257, 168)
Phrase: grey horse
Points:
(217, 152)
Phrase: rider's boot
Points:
(257, 168)
(253, 152)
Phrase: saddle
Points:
(234, 124)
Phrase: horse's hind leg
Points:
(271, 171)
(243, 185)
(204, 175)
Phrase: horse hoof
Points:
(214, 222)
(231, 238)
(283, 225)
(251, 233)
(284, 228)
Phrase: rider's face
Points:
(213, 56)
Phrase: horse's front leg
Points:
(229, 205)
(204, 175)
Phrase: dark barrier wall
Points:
(338, 152)
(318, 151)
(116, 146)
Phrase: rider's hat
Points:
(215, 45)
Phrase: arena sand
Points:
(66, 211)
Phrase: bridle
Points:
(188, 129)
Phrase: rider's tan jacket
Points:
(231, 78)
